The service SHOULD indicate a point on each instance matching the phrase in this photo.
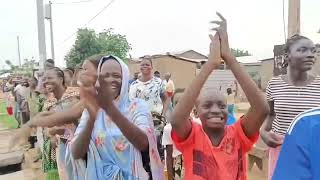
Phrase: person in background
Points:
(157, 74)
(290, 94)
(174, 159)
(22, 92)
(55, 138)
(214, 150)
(231, 106)
(135, 77)
(48, 64)
(25, 112)
(8, 89)
(150, 88)
(68, 76)
(170, 88)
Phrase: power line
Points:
(85, 25)
(74, 2)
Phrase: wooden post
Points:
(293, 18)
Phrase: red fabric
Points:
(169, 94)
(10, 110)
(203, 161)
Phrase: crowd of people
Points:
(100, 124)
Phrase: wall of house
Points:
(253, 70)
(133, 67)
(266, 72)
(182, 72)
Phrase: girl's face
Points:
(87, 66)
(87, 75)
(302, 55)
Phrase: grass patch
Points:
(6, 120)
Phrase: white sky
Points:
(154, 26)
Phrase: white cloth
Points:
(167, 140)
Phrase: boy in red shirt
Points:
(216, 151)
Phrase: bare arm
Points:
(134, 134)
(181, 113)
(80, 144)
(166, 102)
(259, 107)
(50, 119)
(267, 125)
(270, 138)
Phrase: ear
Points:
(287, 57)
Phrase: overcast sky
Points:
(154, 26)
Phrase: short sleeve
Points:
(294, 158)
(269, 93)
(189, 141)
(166, 137)
(246, 142)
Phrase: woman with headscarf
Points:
(290, 94)
(113, 130)
(59, 118)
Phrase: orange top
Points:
(203, 161)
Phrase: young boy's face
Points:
(212, 110)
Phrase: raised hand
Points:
(215, 55)
(223, 34)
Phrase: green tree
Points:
(25, 69)
(89, 43)
(239, 52)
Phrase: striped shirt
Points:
(289, 101)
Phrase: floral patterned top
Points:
(150, 91)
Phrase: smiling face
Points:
(212, 110)
(146, 67)
(52, 80)
(301, 55)
(112, 75)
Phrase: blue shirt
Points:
(300, 154)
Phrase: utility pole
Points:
(18, 41)
(48, 16)
(41, 34)
(293, 17)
